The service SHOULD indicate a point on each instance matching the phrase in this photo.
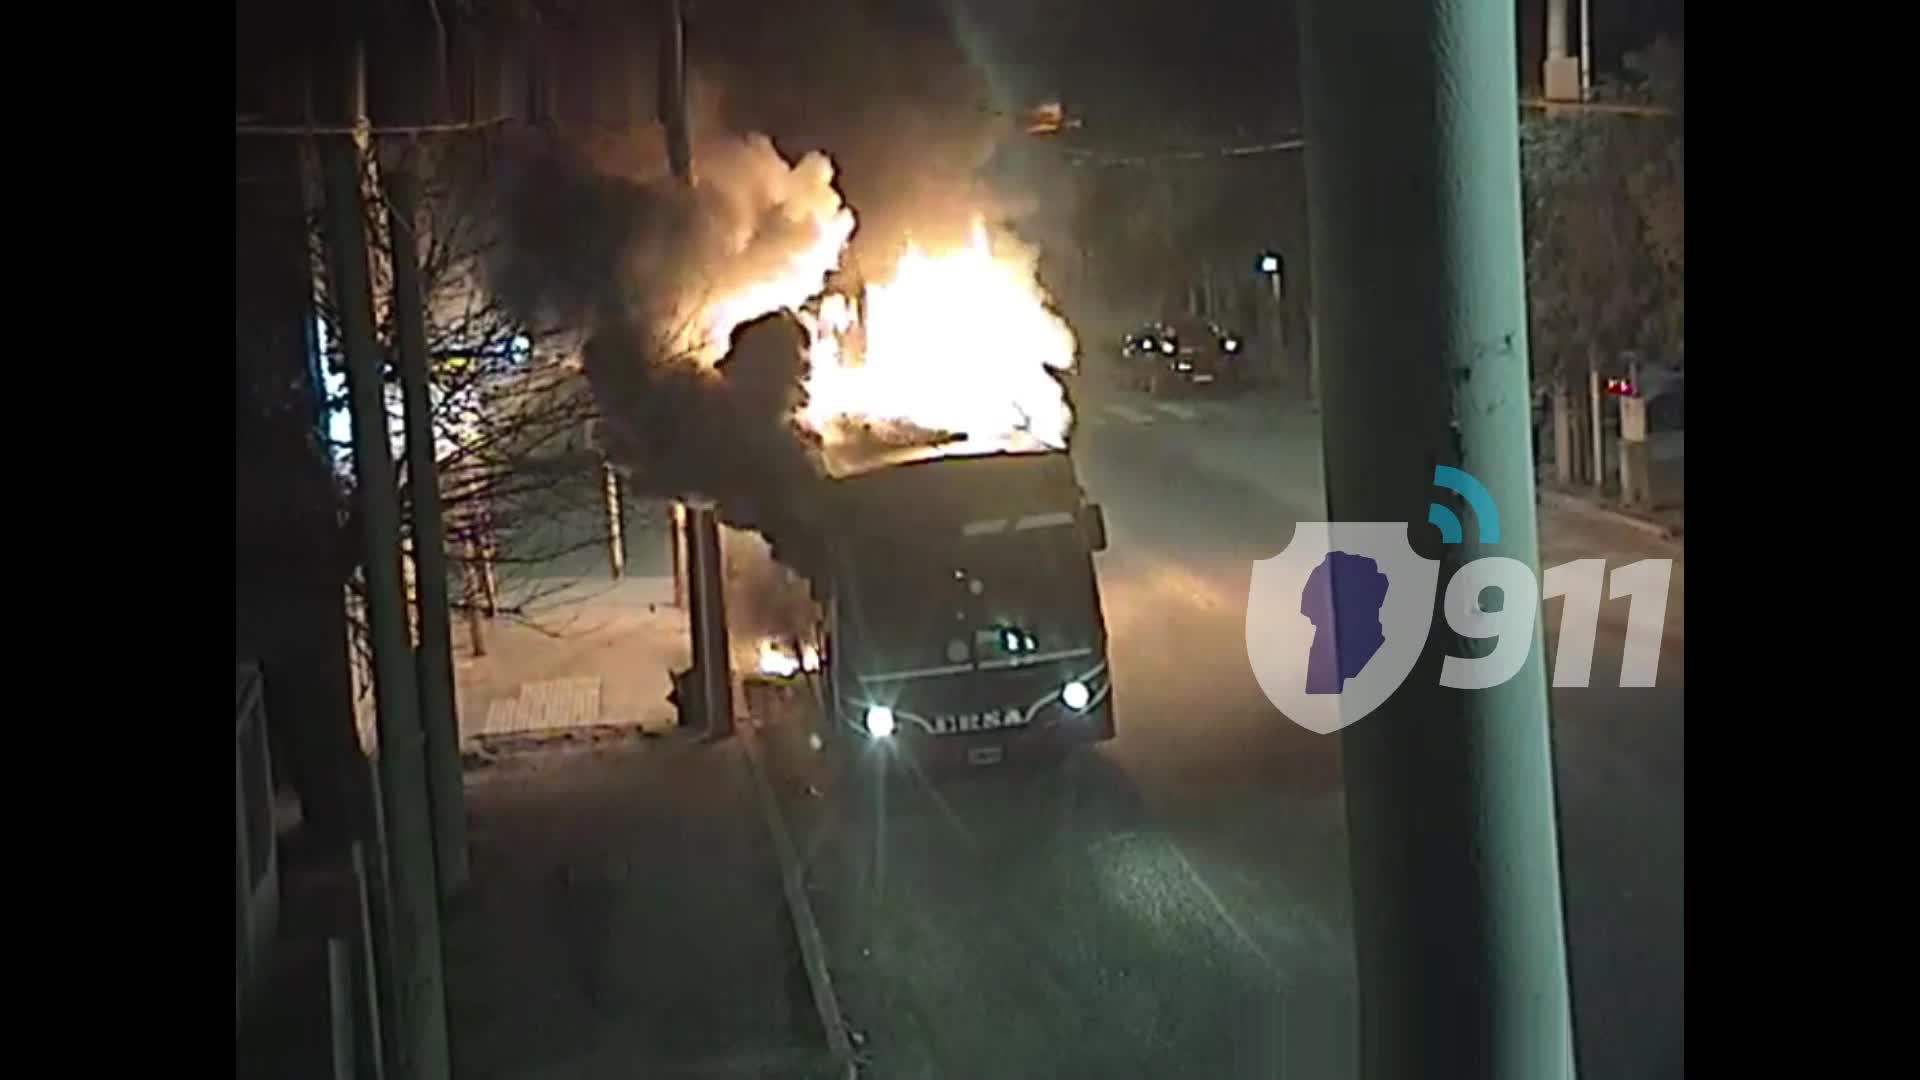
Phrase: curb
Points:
(813, 949)
(1575, 504)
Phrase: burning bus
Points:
(963, 614)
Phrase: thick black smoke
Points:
(599, 239)
(727, 434)
(629, 265)
(892, 92)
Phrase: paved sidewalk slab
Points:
(627, 920)
(595, 654)
(627, 917)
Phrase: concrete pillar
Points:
(439, 712)
(1419, 283)
(1636, 481)
(1560, 76)
(1636, 488)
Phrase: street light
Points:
(1274, 265)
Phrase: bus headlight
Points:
(879, 721)
(1075, 695)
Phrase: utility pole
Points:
(1274, 266)
(438, 715)
(1414, 210)
(707, 602)
(1280, 357)
(421, 1039)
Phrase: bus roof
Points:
(857, 457)
(940, 488)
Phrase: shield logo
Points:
(1335, 622)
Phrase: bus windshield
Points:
(958, 599)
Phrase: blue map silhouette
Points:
(1343, 597)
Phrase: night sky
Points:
(1175, 69)
(1229, 63)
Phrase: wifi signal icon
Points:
(1478, 499)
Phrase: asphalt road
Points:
(1174, 903)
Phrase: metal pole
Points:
(1313, 360)
(1414, 210)
(421, 1040)
(708, 610)
(1280, 358)
(705, 587)
(673, 90)
(1586, 52)
(438, 713)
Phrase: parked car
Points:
(1186, 353)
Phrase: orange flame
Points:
(958, 341)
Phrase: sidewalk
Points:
(626, 917)
(594, 652)
(1666, 524)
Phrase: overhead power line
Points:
(1090, 157)
(349, 129)
(1616, 107)
(1295, 143)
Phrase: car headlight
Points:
(1233, 344)
(1183, 366)
(879, 721)
(1167, 347)
(1075, 695)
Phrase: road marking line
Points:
(1042, 521)
(813, 948)
(1220, 909)
(916, 673)
(1130, 414)
(1174, 408)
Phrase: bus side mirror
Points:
(1095, 522)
